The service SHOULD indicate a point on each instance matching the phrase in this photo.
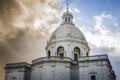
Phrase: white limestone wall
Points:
(68, 48)
(51, 71)
(97, 68)
(36, 72)
(14, 74)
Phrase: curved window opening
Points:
(87, 54)
(76, 53)
(76, 49)
(49, 54)
(93, 77)
(65, 18)
(60, 49)
(69, 19)
(76, 57)
(61, 55)
(60, 52)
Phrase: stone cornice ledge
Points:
(66, 40)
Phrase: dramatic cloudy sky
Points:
(25, 26)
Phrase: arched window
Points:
(87, 54)
(93, 77)
(77, 50)
(65, 18)
(76, 53)
(69, 19)
(60, 52)
(49, 54)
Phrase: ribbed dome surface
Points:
(67, 31)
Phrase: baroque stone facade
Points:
(67, 59)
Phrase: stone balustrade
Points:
(21, 64)
(57, 59)
(52, 58)
(96, 57)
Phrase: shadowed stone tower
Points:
(67, 58)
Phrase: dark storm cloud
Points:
(17, 24)
(9, 9)
(19, 39)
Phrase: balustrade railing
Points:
(96, 57)
(52, 58)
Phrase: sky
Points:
(99, 21)
(26, 25)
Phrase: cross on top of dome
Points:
(67, 7)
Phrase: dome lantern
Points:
(67, 17)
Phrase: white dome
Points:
(67, 31)
(69, 37)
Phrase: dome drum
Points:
(68, 48)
